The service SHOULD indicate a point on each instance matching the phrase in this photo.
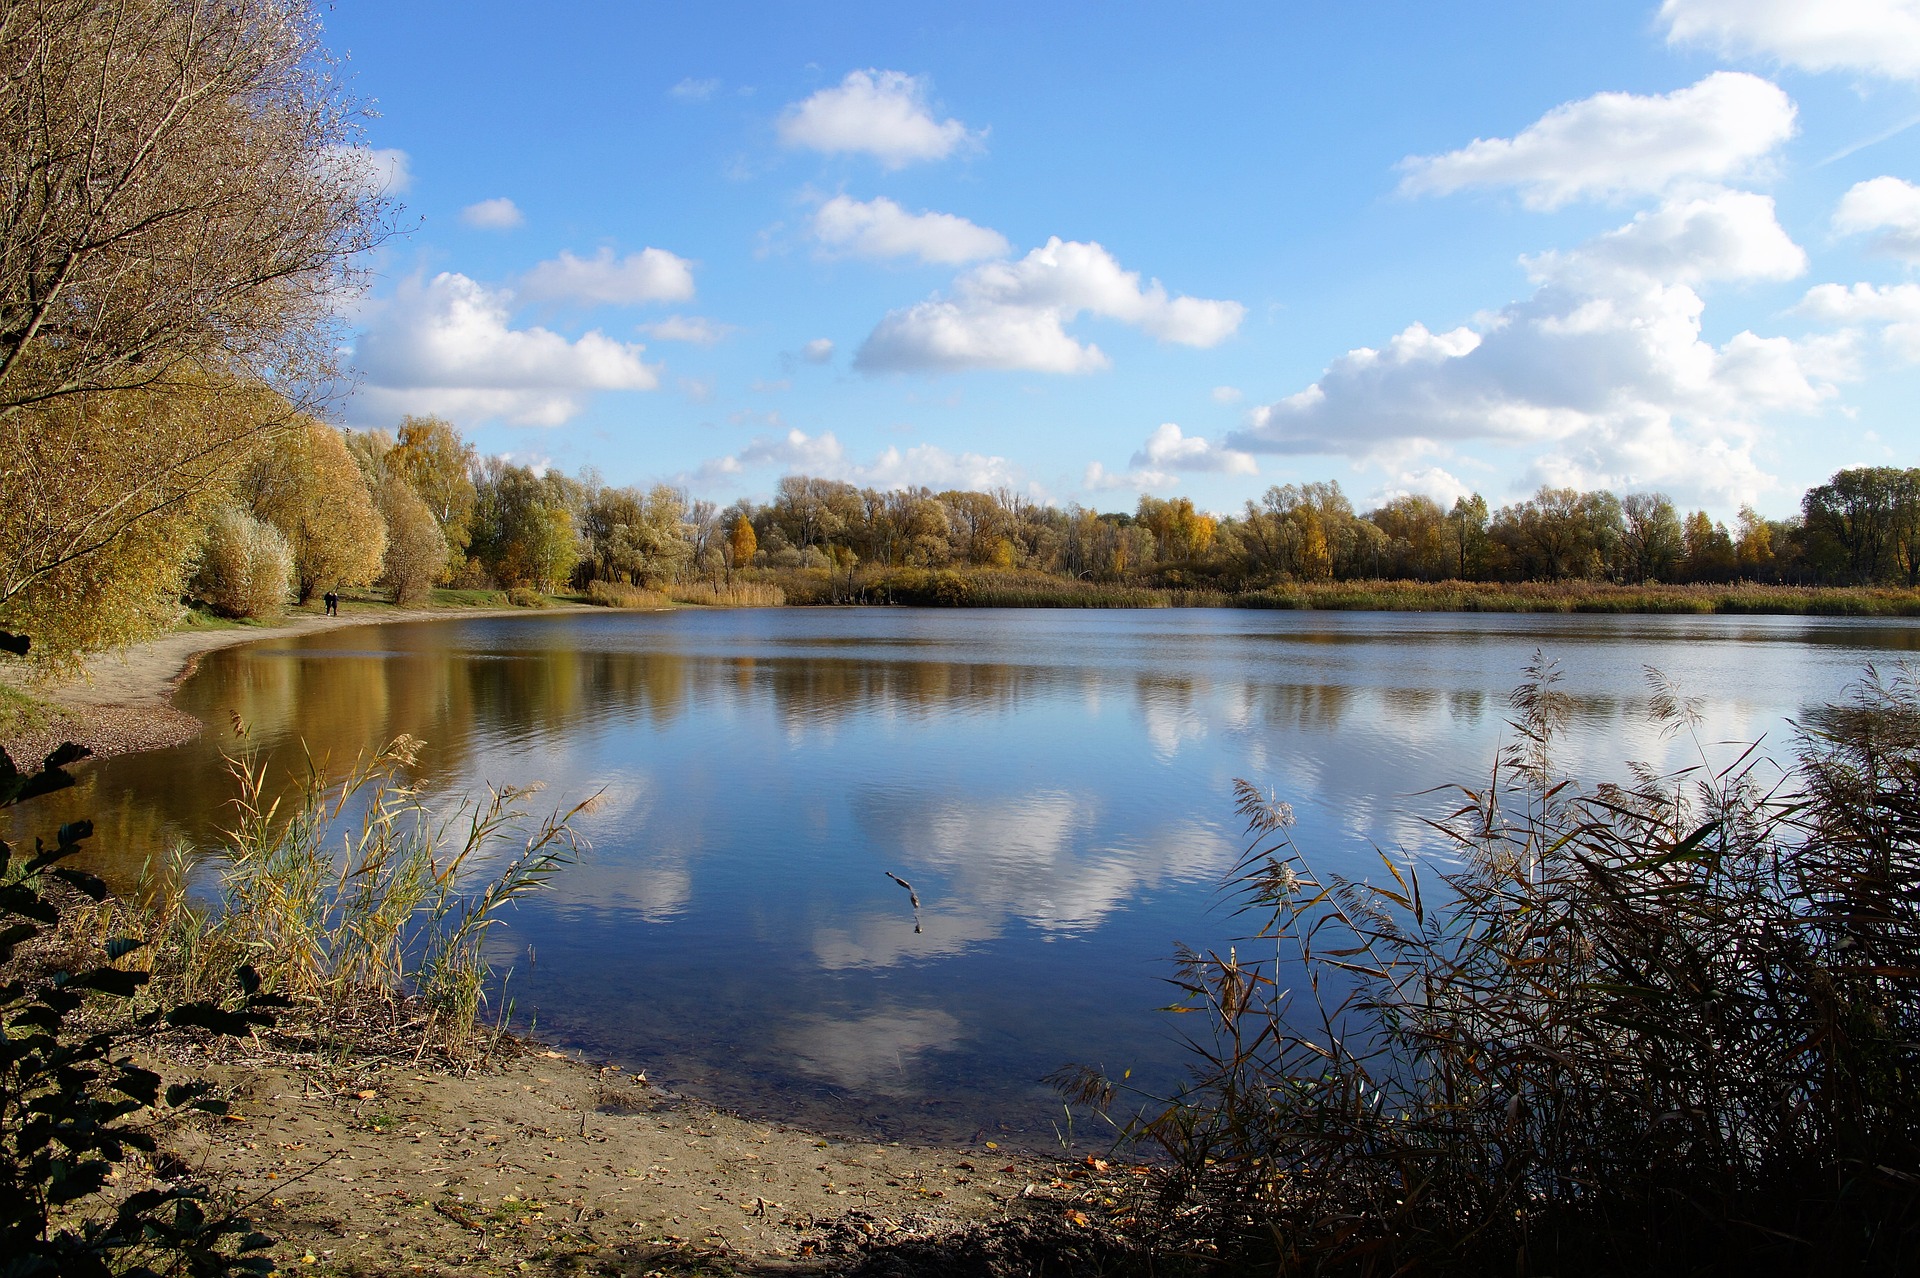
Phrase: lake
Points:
(1056, 785)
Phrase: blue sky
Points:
(1084, 251)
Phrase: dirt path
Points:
(120, 702)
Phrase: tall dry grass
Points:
(740, 594)
(616, 594)
(1662, 1027)
(360, 893)
(1584, 596)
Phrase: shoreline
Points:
(121, 702)
(543, 1158)
(547, 1159)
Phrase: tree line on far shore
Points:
(315, 507)
(189, 197)
(495, 525)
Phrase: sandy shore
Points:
(120, 702)
(550, 1164)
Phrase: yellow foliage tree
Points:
(742, 545)
(312, 490)
(82, 476)
(245, 566)
(416, 548)
(78, 472)
(1316, 562)
(431, 456)
(1754, 546)
(116, 596)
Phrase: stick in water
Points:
(908, 886)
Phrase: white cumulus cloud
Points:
(651, 275)
(1727, 235)
(1620, 144)
(693, 90)
(818, 351)
(447, 346)
(1166, 454)
(884, 114)
(696, 329)
(1603, 372)
(1098, 479)
(1168, 448)
(1012, 315)
(879, 228)
(823, 455)
(1887, 206)
(1881, 37)
(1896, 307)
(498, 214)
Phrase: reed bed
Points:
(1670, 1026)
(358, 895)
(618, 594)
(1584, 596)
(999, 588)
(740, 594)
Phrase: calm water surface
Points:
(1055, 784)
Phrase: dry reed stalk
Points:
(1671, 1026)
(360, 891)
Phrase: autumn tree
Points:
(805, 511)
(178, 192)
(1710, 553)
(104, 600)
(81, 474)
(179, 211)
(638, 537)
(1559, 533)
(526, 527)
(1306, 530)
(313, 491)
(1652, 544)
(974, 519)
(1753, 544)
(416, 549)
(1419, 538)
(430, 455)
(741, 545)
(1180, 533)
(1467, 522)
(246, 566)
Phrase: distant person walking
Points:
(333, 603)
